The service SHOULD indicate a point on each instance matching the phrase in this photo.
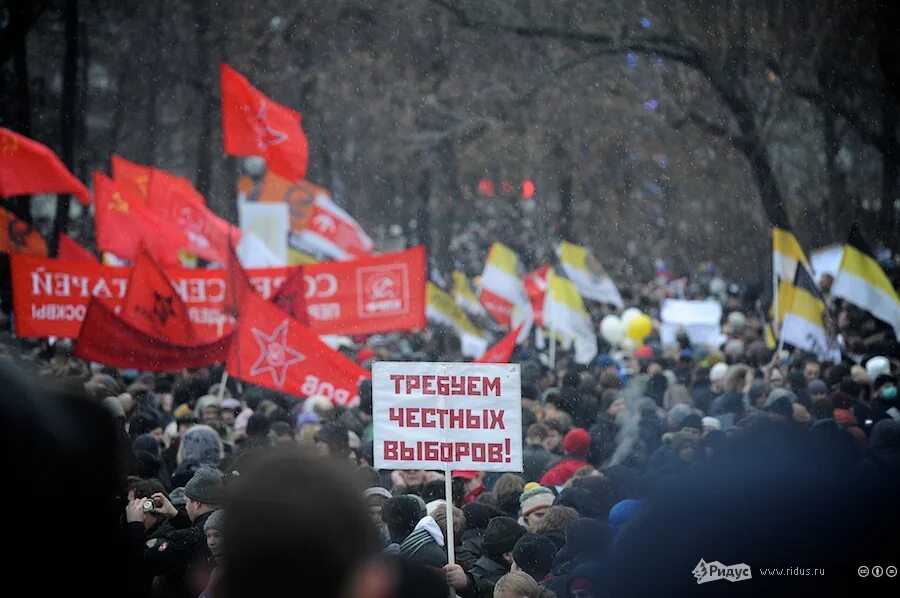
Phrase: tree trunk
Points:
(21, 120)
(67, 116)
(208, 109)
(448, 197)
(839, 209)
(566, 187)
(152, 84)
(888, 56)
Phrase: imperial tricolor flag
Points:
(465, 296)
(501, 287)
(586, 272)
(861, 281)
(440, 308)
(565, 315)
(803, 312)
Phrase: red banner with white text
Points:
(377, 294)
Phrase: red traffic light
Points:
(527, 189)
(486, 187)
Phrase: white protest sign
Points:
(447, 416)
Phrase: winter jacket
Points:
(180, 557)
(537, 460)
(485, 575)
(560, 473)
(603, 440)
(424, 545)
(472, 548)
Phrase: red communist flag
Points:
(254, 125)
(153, 306)
(176, 200)
(273, 350)
(28, 167)
(107, 339)
(124, 223)
(133, 179)
(70, 250)
(503, 350)
(535, 287)
(291, 296)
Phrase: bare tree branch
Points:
(818, 99)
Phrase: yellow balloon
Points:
(639, 327)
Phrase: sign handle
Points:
(448, 496)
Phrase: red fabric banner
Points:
(363, 296)
(70, 250)
(28, 167)
(273, 350)
(107, 339)
(378, 294)
(535, 287)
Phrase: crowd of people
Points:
(647, 461)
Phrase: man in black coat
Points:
(419, 538)
(181, 557)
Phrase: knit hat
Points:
(215, 521)
(780, 406)
(182, 410)
(207, 486)
(377, 491)
(501, 535)
(622, 512)
(718, 371)
(816, 387)
(204, 403)
(142, 423)
(479, 514)
(146, 442)
(711, 423)
(531, 486)
(678, 412)
(258, 425)
(577, 442)
(535, 500)
(878, 366)
(534, 555)
(779, 393)
(201, 444)
(692, 421)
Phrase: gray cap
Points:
(207, 486)
(215, 520)
(779, 393)
(176, 497)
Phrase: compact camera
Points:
(149, 505)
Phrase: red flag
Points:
(124, 224)
(176, 200)
(107, 339)
(503, 350)
(71, 251)
(254, 125)
(28, 167)
(153, 306)
(332, 232)
(273, 350)
(291, 296)
(535, 287)
(132, 178)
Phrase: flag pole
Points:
(222, 384)
(448, 501)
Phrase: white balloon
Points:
(629, 314)
(629, 345)
(612, 329)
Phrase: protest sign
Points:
(447, 416)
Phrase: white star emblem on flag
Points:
(275, 356)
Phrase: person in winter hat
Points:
(178, 555)
(214, 541)
(419, 538)
(534, 504)
(534, 554)
(477, 515)
(622, 512)
(500, 538)
(577, 445)
(200, 446)
(518, 584)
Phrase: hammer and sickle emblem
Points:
(118, 204)
(8, 144)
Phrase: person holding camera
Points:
(180, 557)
